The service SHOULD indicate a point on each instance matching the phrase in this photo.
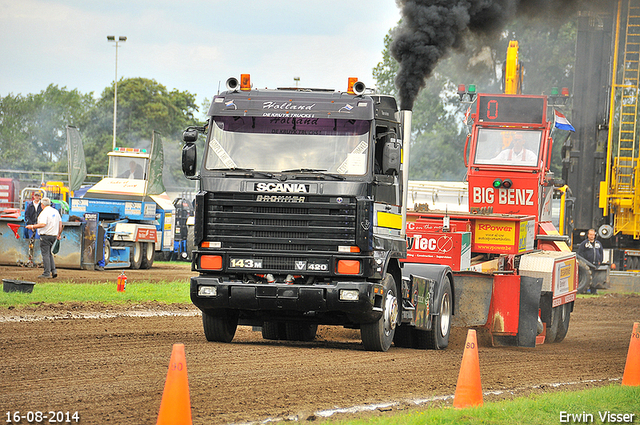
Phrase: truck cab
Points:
(299, 220)
(130, 225)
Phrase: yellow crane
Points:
(512, 72)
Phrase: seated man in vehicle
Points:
(517, 153)
(134, 171)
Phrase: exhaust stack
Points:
(405, 122)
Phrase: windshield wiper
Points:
(320, 172)
(249, 171)
(303, 170)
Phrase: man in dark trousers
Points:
(590, 249)
(31, 214)
(50, 222)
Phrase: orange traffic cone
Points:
(175, 407)
(631, 375)
(468, 388)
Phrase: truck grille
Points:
(320, 224)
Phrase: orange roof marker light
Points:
(352, 81)
(130, 150)
(245, 82)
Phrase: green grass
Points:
(55, 292)
(536, 409)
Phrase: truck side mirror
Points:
(391, 157)
(190, 135)
(189, 158)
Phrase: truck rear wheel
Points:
(221, 326)
(274, 331)
(148, 254)
(301, 331)
(135, 255)
(378, 336)
(106, 251)
(560, 317)
(438, 336)
(584, 277)
(404, 336)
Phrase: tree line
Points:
(33, 126)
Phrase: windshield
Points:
(125, 167)
(508, 147)
(278, 144)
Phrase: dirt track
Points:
(112, 369)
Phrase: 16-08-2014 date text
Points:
(35, 417)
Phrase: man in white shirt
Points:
(517, 153)
(50, 223)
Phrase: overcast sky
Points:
(190, 45)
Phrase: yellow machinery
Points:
(512, 70)
(618, 195)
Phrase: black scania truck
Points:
(300, 219)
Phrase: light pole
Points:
(115, 93)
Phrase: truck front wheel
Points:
(378, 336)
(220, 326)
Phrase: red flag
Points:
(14, 228)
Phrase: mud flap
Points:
(529, 302)
(473, 293)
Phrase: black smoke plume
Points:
(431, 28)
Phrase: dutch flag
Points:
(561, 122)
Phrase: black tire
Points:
(378, 336)
(296, 331)
(107, 251)
(403, 336)
(162, 256)
(135, 255)
(438, 336)
(274, 331)
(221, 326)
(584, 277)
(559, 326)
(560, 318)
(148, 255)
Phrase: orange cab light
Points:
(352, 81)
(211, 262)
(245, 82)
(348, 267)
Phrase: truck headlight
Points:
(349, 295)
(207, 291)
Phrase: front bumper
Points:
(321, 303)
